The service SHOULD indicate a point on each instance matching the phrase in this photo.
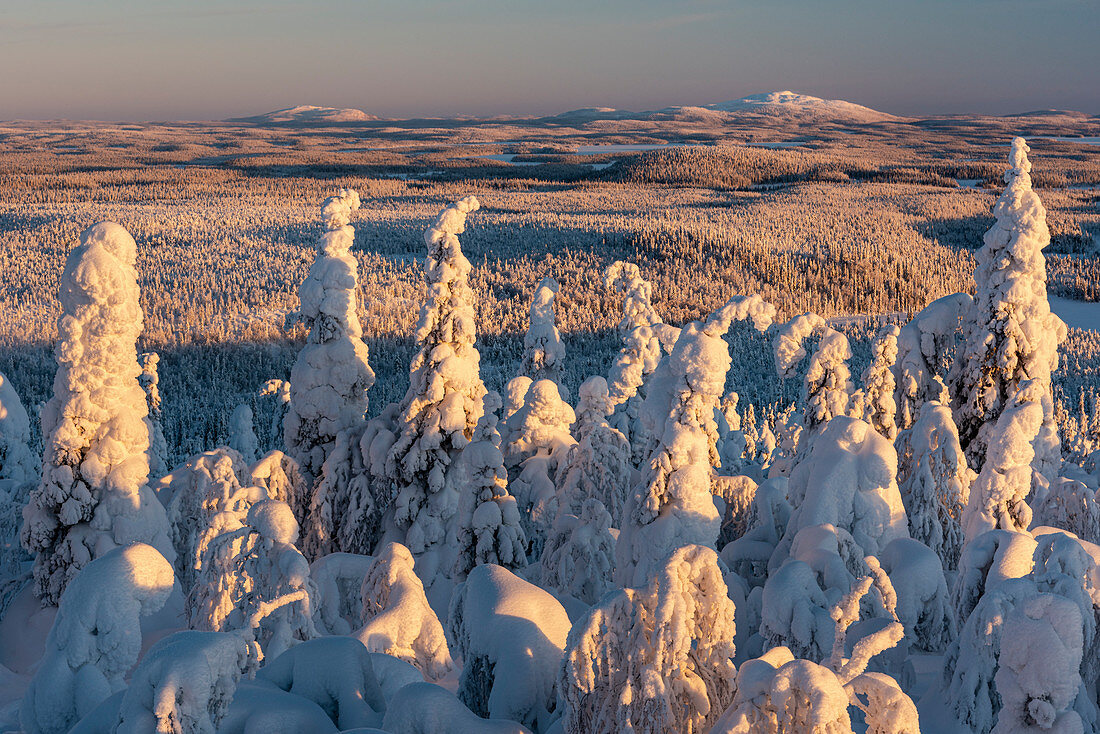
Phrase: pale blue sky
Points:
(205, 59)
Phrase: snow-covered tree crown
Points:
(1012, 336)
(93, 495)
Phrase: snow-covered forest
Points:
(820, 489)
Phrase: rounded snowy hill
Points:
(307, 114)
(792, 104)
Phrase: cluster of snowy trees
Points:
(655, 557)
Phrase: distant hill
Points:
(308, 114)
(792, 104)
(785, 105)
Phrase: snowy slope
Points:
(792, 104)
(308, 114)
(783, 105)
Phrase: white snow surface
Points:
(792, 104)
(510, 635)
(96, 636)
(309, 114)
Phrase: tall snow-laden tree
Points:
(998, 497)
(544, 354)
(207, 495)
(242, 434)
(17, 463)
(847, 479)
(579, 557)
(672, 506)
(827, 389)
(879, 407)
(598, 465)
(537, 444)
(641, 329)
(330, 379)
(93, 494)
(488, 520)
(253, 579)
(150, 383)
(938, 487)
(18, 474)
(1011, 336)
(654, 659)
(923, 347)
(445, 397)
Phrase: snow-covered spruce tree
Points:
(184, 684)
(987, 561)
(847, 481)
(342, 476)
(207, 495)
(444, 399)
(93, 494)
(396, 617)
(1071, 505)
(150, 383)
(515, 394)
(1011, 336)
(543, 352)
(279, 476)
(779, 694)
(827, 389)
(18, 475)
(253, 579)
(998, 496)
(537, 445)
(923, 347)
(1064, 567)
(672, 504)
(654, 659)
(598, 465)
(330, 379)
(879, 408)
(639, 355)
(17, 463)
(938, 486)
(279, 392)
(1037, 675)
(1042, 655)
(488, 518)
(579, 557)
(96, 637)
(242, 434)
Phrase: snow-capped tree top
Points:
(113, 238)
(1021, 166)
(1011, 335)
(788, 342)
(626, 279)
(542, 305)
(274, 520)
(451, 221)
(740, 308)
(544, 353)
(594, 401)
(336, 210)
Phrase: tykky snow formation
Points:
(893, 549)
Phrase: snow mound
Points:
(308, 114)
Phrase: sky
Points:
(213, 59)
